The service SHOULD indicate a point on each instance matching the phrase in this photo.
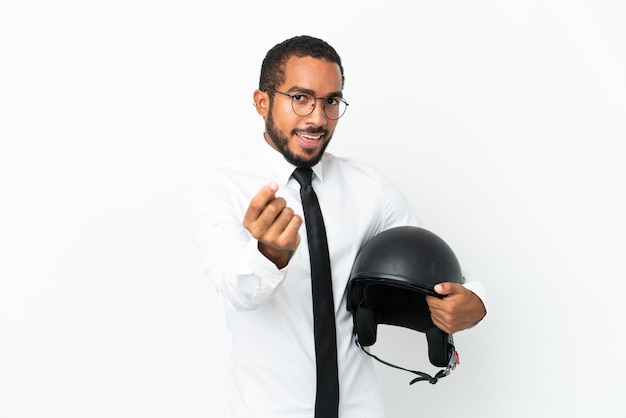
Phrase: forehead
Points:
(318, 75)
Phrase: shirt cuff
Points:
(477, 288)
(252, 262)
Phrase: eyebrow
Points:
(296, 89)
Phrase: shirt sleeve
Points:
(476, 286)
(228, 254)
(397, 210)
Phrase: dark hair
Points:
(273, 67)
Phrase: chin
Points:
(300, 161)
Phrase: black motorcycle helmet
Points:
(391, 276)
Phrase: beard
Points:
(282, 143)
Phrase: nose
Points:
(317, 116)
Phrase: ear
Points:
(261, 102)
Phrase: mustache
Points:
(311, 131)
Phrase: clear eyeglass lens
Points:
(304, 103)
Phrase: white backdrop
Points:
(503, 121)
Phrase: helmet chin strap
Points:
(454, 361)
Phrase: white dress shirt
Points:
(269, 311)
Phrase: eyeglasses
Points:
(303, 104)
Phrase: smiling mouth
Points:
(310, 140)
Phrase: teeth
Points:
(311, 137)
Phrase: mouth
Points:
(310, 140)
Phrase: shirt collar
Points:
(281, 167)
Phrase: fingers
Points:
(273, 224)
(458, 310)
(259, 202)
(441, 313)
(280, 231)
(448, 288)
(292, 228)
(270, 220)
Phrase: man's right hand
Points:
(274, 225)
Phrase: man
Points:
(247, 221)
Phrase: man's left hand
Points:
(458, 310)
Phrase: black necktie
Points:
(327, 399)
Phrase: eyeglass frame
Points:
(291, 96)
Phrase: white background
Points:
(502, 120)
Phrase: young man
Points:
(247, 223)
